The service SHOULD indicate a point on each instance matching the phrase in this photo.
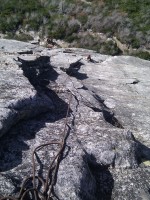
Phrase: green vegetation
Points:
(21, 37)
(128, 20)
(142, 54)
(136, 10)
(15, 13)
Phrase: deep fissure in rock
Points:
(42, 76)
(110, 118)
(73, 70)
(39, 72)
(108, 115)
(104, 182)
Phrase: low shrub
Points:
(142, 54)
(21, 37)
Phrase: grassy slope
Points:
(126, 19)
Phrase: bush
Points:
(135, 43)
(73, 26)
(21, 37)
(82, 17)
(110, 48)
(142, 54)
(72, 38)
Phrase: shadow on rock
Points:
(12, 145)
(39, 72)
(103, 178)
(73, 70)
(143, 153)
(42, 75)
(15, 142)
(111, 119)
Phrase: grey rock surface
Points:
(107, 146)
(18, 98)
(13, 46)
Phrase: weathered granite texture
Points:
(13, 46)
(18, 98)
(107, 149)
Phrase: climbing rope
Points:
(48, 184)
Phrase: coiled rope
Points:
(47, 184)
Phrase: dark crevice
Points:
(134, 82)
(73, 70)
(12, 145)
(84, 87)
(110, 118)
(104, 182)
(25, 52)
(96, 109)
(108, 115)
(98, 98)
(42, 76)
(143, 153)
(39, 72)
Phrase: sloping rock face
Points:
(107, 142)
(18, 98)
